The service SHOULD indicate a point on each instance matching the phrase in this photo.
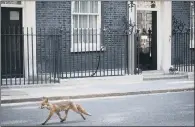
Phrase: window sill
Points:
(87, 48)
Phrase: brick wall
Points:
(181, 53)
(50, 14)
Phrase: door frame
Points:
(158, 33)
(153, 63)
(28, 7)
(132, 14)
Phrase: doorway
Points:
(147, 52)
(12, 43)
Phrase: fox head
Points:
(44, 103)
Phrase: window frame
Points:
(192, 25)
(86, 47)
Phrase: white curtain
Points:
(85, 22)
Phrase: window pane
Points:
(92, 21)
(84, 7)
(93, 36)
(75, 36)
(76, 7)
(83, 21)
(93, 6)
(85, 35)
(75, 21)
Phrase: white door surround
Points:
(164, 26)
(28, 20)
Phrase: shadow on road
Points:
(65, 122)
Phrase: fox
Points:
(62, 106)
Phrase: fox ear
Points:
(46, 99)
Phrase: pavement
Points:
(164, 109)
(77, 91)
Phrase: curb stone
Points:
(95, 95)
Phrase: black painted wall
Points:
(50, 14)
(181, 53)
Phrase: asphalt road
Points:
(139, 110)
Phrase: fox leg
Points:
(50, 114)
(58, 113)
(74, 108)
(66, 114)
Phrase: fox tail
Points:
(82, 110)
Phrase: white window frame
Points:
(192, 26)
(85, 47)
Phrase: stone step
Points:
(161, 77)
(157, 73)
(152, 73)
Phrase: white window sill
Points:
(90, 47)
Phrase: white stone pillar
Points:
(166, 35)
(131, 51)
(29, 13)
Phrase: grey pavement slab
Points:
(165, 109)
(82, 90)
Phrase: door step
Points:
(160, 75)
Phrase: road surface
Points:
(176, 109)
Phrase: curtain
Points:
(85, 21)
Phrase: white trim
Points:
(192, 43)
(166, 33)
(192, 26)
(12, 5)
(159, 42)
(90, 46)
(148, 9)
(28, 20)
(158, 31)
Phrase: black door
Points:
(147, 52)
(12, 42)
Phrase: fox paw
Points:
(43, 124)
(62, 120)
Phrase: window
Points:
(192, 26)
(85, 26)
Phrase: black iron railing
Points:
(48, 55)
(93, 52)
(29, 58)
(183, 57)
